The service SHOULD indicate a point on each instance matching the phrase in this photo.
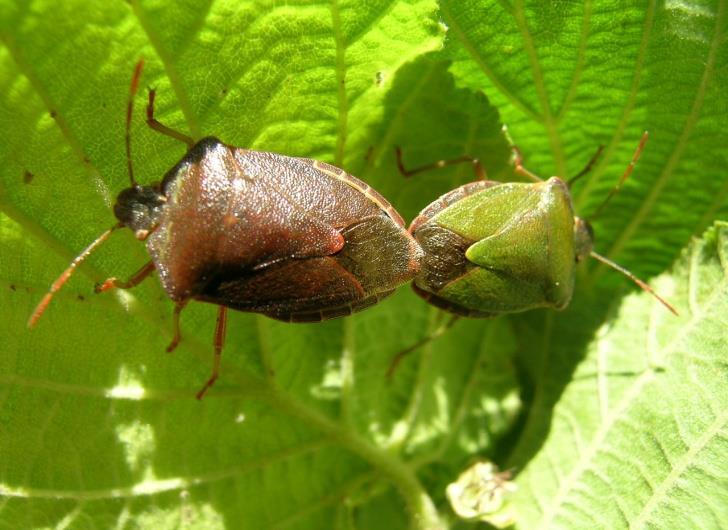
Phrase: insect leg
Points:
(175, 325)
(477, 166)
(587, 168)
(137, 278)
(519, 168)
(159, 127)
(439, 331)
(219, 341)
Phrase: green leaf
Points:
(100, 429)
(565, 79)
(569, 77)
(638, 440)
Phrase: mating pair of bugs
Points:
(303, 241)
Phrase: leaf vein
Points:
(674, 159)
(173, 75)
(600, 436)
(481, 62)
(629, 107)
(660, 493)
(579, 67)
(61, 122)
(153, 487)
(540, 84)
(462, 407)
(340, 83)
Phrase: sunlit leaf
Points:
(612, 407)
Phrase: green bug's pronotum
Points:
(493, 247)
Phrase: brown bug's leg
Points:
(432, 336)
(175, 324)
(114, 283)
(219, 341)
(477, 166)
(157, 126)
(521, 170)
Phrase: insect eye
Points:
(583, 238)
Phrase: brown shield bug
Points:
(293, 239)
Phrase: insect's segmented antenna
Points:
(626, 174)
(635, 279)
(65, 275)
(129, 107)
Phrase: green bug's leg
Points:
(587, 168)
(137, 278)
(477, 166)
(176, 336)
(219, 342)
(519, 168)
(439, 331)
(157, 126)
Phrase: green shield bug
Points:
(293, 239)
(492, 247)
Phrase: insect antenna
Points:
(65, 275)
(635, 279)
(612, 193)
(129, 107)
(625, 175)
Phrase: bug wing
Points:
(449, 199)
(531, 256)
(291, 238)
(286, 287)
(380, 254)
(313, 289)
(228, 207)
